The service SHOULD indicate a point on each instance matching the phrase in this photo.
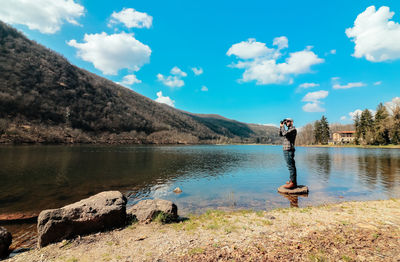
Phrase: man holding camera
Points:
(289, 137)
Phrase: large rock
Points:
(299, 190)
(147, 210)
(5, 241)
(100, 212)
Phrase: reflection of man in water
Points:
(289, 137)
(293, 199)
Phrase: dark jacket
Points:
(289, 137)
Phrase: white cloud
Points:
(197, 71)
(375, 35)
(333, 52)
(177, 71)
(335, 78)
(174, 80)
(377, 83)
(129, 80)
(313, 99)
(171, 81)
(313, 107)
(132, 18)
(249, 49)
(355, 113)
(110, 53)
(164, 99)
(348, 85)
(343, 118)
(359, 112)
(260, 62)
(204, 88)
(393, 103)
(47, 16)
(315, 96)
(308, 85)
(281, 42)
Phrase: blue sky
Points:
(254, 55)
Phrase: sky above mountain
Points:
(253, 61)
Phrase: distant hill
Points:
(45, 99)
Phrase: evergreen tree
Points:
(395, 128)
(381, 125)
(358, 128)
(317, 132)
(324, 130)
(367, 127)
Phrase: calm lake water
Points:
(33, 178)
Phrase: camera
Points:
(284, 121)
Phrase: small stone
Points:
(177, 190)
(298, 190)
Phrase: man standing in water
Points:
(289, 137)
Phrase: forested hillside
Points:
(45, 99)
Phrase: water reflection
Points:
(39, 177)
(293, 199)
(320, 161)
(379, 168)
(33, 178)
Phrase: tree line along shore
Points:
(380, 128)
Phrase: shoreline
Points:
(354, 146)
(347, 231)
(193, 144)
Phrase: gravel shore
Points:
(349, 231)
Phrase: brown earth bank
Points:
(349, 231)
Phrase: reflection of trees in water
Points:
(368, 169)
(48, 177)
(320, 162)
(379, 168)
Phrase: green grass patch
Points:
(260, 213)
(305, 210)
(196, 250)
(162, 218)
(266, 222)
(230, 229)
(213, 226)
(347, 258)
(317, 258)
(344, 222)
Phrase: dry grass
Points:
(352, 231)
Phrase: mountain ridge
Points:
(46, 99)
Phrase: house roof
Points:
(345, 132)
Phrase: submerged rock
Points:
(298, 190)
(177, 190)
(100, 212)
(5, 242)
(147, 210)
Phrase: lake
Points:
(33, 178)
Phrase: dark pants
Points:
(291, 164)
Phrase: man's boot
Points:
(291, 185)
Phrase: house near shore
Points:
(343, 137)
